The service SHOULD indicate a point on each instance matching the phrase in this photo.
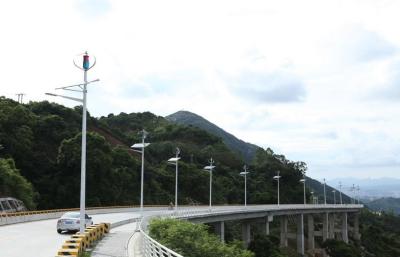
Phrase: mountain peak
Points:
(183, 114)
(244, 149)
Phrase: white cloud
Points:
(294, 75)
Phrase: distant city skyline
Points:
(317, 81)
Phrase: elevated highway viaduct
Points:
(296, 223)
(335, 220)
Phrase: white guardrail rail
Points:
(152, 248)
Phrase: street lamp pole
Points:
(83, 89)
(340, 192)
(334, 196)
(277, 177)
(358, 194)
(174, 160)
(312, 197)
(324, 192)
(353, 189)
(244, 173)
(141, 146)
(304, 188)
(210, 168)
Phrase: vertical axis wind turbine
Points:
(82, 89)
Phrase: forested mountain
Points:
(387, 204)
(43, 140)
(244, 149)
(248, 151)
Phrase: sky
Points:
(315, 80)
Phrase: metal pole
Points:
(334, 197)
(176, 186)
(245, 187)
(142, 175)
(83, 159)
(278, 188)
(304, 192)
(358, 194)
(340, 193)
(211, 168)
(324, 192)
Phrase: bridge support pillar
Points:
(356, 229)
(311, 238)
(220, 230)
(300, 234)
(267, 228)
(246, 233)
(284, 231)
(268, 219)
(332, 219)
(345, 236)
(325, 228)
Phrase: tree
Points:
(192, 240)
(265, 246)
(335, 248)
(12, 184)
(109, 173)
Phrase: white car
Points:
(70, 221)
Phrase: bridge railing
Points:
(151, 247)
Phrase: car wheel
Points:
(59, 231)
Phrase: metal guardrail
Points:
(27, 216)
(152, 248)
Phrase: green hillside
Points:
(43, 140)
(387, 204)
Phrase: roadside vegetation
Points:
(380, 234)
(193, 240)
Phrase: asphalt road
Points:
(40, 238)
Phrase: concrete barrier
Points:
(79, 242)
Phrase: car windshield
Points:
(71, 215)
